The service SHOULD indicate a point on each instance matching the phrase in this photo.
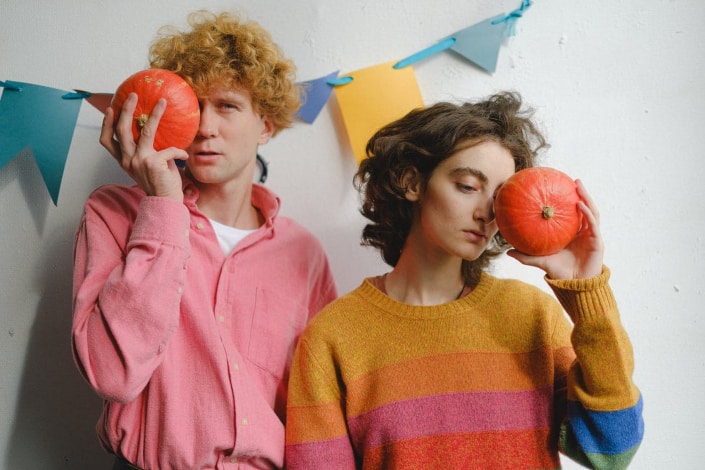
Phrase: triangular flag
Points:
(480, 43)
(315, 96)
(100, 101)
(376, 96)
(37, 118)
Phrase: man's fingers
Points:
(107, 133)
(149, 130)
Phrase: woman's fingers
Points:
(592, 212)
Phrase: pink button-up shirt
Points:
(189, 348)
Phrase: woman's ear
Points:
(411, 182)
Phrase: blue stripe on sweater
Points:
(607, 432)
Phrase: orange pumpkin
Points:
(537, 210)
(179, 123)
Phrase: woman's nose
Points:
(485, 212)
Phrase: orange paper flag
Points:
(376, 96)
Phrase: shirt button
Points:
(245, 422)
(199, 225)
(180, 290)
(221, 318)
(236, 366)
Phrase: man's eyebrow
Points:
(464, 171)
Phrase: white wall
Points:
(617, 85)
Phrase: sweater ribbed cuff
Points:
(585, 299)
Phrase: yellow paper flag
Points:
(376, 96)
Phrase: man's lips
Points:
(205, 155)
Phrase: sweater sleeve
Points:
(316, 431)
(127, 291)
(604, 425)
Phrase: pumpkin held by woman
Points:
(537, 211)
(179, 123)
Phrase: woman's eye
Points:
(466, 188)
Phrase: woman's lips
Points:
(474, 235)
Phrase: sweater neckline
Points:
(477, 296)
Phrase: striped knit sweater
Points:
(489, 381)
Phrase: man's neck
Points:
(229, 206)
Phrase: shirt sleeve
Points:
(127, 290)
(604, 424)
(324, 290)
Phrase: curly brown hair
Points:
(415, 145)
(225, 50)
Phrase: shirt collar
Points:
(265, 200)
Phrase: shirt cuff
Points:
(162, 219)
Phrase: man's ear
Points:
(267, 130)
(411, 182)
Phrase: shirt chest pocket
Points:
(277, 323)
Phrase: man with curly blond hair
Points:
(189, 290)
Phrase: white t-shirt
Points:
(228, 236)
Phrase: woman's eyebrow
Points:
(464, 171)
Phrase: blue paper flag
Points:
(316, 93)
(480, 43)
(36, 117)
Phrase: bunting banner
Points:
(368, 99)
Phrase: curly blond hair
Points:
(224, 49)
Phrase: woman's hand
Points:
(583, 257)
(155, 172)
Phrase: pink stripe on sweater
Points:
(452, 413)
(337, 453)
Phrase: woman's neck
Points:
(418, 281)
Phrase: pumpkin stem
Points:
(547, 212)
(142, 120)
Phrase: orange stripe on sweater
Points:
(450, 373)
(315, 423)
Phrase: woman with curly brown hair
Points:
(438, 364)
(189, 289)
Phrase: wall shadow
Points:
(24, 168)
(54, 422)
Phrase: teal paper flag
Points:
(480, 43)
(315, 96)
(36, 117)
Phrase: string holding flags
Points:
(368, 99)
